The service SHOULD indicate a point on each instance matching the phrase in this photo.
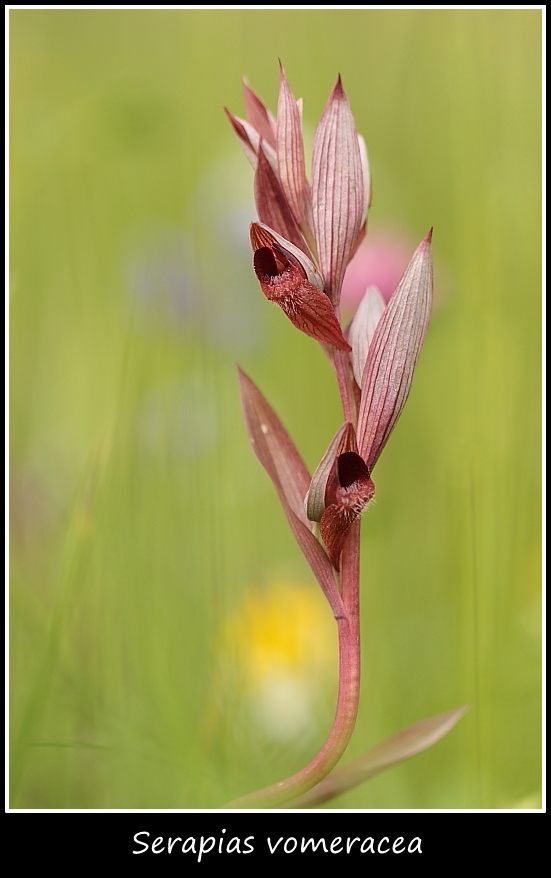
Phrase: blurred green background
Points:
(146, 541)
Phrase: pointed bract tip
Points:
(428, 237)
(282, 76)
(338, 89)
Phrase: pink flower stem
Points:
(341, 364)
(349, 652)
(347, 699)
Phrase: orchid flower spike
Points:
(320, 225)
(304, 239)
(302, 244)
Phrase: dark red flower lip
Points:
(339, 491)
(284, 280)
(271, 265)
(349, 490)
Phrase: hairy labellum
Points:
(349, 489)
(283, 280)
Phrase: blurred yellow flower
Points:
(280, 642)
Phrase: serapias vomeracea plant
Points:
(306, 234)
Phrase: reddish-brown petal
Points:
(343, 440)
(347, 496)
(334, 527)
(278, 455)
(271, 204)
(338, 190)
(259, 116)
(290, 149)
(283, 281)
(393, 353)
(312, 313)
(349, 489)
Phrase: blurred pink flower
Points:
(380, 261)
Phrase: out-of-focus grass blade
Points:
(406, 743)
